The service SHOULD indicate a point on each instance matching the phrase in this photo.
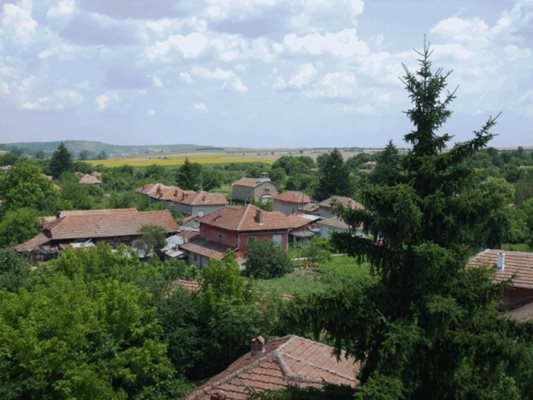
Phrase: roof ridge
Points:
(243, 217)
(318, 366)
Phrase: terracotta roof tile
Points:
(345, 201)
(293, 197)
(517, 263)
(89, 180)
(175, 194)
(73, 225)
(290, 360)
(248, 182)
(205, 248)
(249, 218)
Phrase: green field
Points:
(337, 271)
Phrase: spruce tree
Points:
(428, 328)
(189, 176)
(61, 161)
(334, 177)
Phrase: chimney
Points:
(259, 216)
(500, 264)
(257, 346)
(218, 395)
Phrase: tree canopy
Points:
(334, 177)
(429, 327)
(189, 176)
(61, 161)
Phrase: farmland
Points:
(172, 160)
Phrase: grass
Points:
(337, 271)
(173, 160)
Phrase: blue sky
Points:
(256, 73)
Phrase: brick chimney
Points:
(219, 395)
(257, 346)
(500, 263)
(259, 216)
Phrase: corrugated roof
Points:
(249, 218)
(290, 360)
(345, 201)
(517, 263)
(334, 222)
(293, 197)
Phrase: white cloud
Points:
(238, 86)
(104, 101)
(61, 9)
(343, 44)
(189, 46)
(303, 76)
(200, 107)
(337, 85)
(462, 30)
(186, 77)
(151, 113)
(18, 22)
(206, 73)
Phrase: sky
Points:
(257, 73)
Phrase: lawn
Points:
(172, 160)
(337, 271)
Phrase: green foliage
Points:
(17, 226)
(189, 176)
(318, 250)
(223, 278)
(295, 393)
(60, 162)
(154, 236)
(388, 166)
(264, 260)
(25, 186)
(428, 327)
(79, 329)
(14, 270)
(334, 177)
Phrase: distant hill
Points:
(112, 150)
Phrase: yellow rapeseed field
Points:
(171, 160)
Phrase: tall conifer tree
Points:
(429, 327)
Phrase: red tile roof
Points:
(89, 180)
(205, 248)
(290, 360)
(345, 201)
(249, 182)
(293, 197)
(33, 243)
(249, 218)
(298, 221)
(158, 191)
(73, 225)
(517, 263)
(190, 285)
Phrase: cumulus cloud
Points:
(303, 76)
(17, 22)
(199, 107)
(104, 101)
(61, 9)
(188, 46)
(344, 44)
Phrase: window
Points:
(220, 237)
(277, 240)
(200, 213)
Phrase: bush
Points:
(265, 260)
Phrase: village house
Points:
(234, 228)
(290, 202)
(83, 228)
(186, 202)
(283, 362)
(326, 206)
(93, 179)
(254, 189)
(515, 265)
